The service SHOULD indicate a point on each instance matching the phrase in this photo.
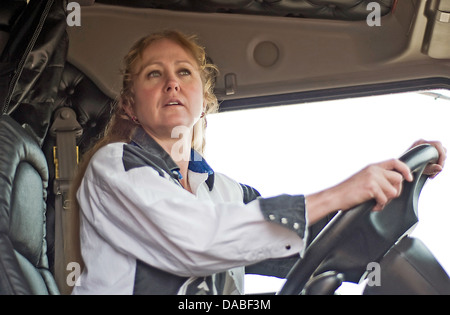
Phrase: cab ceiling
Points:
(265, 47)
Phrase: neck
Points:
(178, 146)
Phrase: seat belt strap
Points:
(67, 244)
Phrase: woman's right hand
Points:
(381, 182)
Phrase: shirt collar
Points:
(197, 163)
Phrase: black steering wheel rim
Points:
(338, 229)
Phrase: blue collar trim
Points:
(198, 164)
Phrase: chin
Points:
(177, 125)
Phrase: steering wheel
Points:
(354, 238)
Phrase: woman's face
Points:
(168, 90)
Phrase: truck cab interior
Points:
(60, 73)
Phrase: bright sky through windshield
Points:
(301, 149)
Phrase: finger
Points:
(380, 199)
(439, 147)
(442, 153)
(393, 185)
(418, 142)
(385, 187)
(398, 166)
(433, 170)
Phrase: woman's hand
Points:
(381, 182)
(434, 169)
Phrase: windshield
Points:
(301, 149)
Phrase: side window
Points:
(301, 149)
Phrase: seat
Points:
(23, 191)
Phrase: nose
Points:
(172, 85)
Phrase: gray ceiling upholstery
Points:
(324, 9)
(261, 55)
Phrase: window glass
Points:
(305, 148)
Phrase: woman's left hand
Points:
(433, 170)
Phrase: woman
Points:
(156, 219)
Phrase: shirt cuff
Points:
(288, 211)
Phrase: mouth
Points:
(174, 103)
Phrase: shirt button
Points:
(296, 226)
(284, 220)
(271, 217)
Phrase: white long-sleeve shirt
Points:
(134, 210)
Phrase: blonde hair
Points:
(120, 127)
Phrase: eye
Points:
(184, 72)
(154, 74)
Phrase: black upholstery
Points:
(92, 107)
(23, 191)
(9, 11)
(329, 9)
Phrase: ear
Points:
(128, 110)
(205, 103)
